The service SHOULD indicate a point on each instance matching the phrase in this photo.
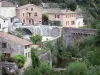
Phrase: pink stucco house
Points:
(65, 18)
(29, 14)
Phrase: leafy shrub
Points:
(42, 70)
(93, 70)
(45, 69)
(76, 68)
(20, 60)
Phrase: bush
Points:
(45, 69)
(76, 68)
(20, 60)
(93, 70)
(42, 70)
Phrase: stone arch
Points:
(27, 31)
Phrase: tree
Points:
(36, 2)
(97, 38)
(20, 60)
(93, 70)
(36, 38)
(44, 19)
(76, 68)
(35, 59)
(94, 56)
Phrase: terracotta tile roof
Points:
(27, 5)
(14, 39)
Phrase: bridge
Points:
(70, 34)
(43, 30)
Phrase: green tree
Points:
(35, 59)
(76, 68)
(36, 38)
(93, 70)
(36, 2)
(45, 19)
(20, 60)
(94, 56)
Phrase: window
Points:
(66, 22)
(57, 16)
(31, 9)
(4, 45)
(32, 21)
(26, 8)
(23, 21)
(29, 14)
(29, 21)
(72, 22)
(26, 55)
(35, 13)
(66, 16)
(23, 14)
(11, 20)
(4, 21)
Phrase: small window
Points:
(35, 13)
(72, 22)
(26, 8)
(11, 20)
(4, 45)
(31, 9)
(23, 21)
(66, 16)
(29, 21)
(66, 22)
(57, 16)
(26, 55)
(4, 21)
(29, 14)
(23, 14)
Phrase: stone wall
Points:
(73, 34)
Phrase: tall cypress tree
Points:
(35, 59)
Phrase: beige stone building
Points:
(65, 18)
(29, 14)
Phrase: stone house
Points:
(7, 12)
(13, 45)
(29, 14)
(4, 24)
(65, 18)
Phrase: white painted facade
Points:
(79, 22)
(6, 17)
(4, 25)
(8, 12)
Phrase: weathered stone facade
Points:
(73, 34)
(12, 47)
